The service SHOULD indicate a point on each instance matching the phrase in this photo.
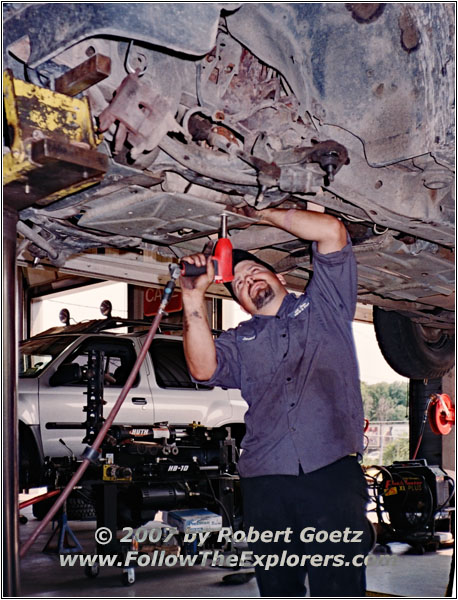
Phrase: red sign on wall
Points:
(152, 299)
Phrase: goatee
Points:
(263, 297)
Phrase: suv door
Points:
(62, 399)
(177, 399)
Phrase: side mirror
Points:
(66, 374)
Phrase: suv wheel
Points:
(412, 350)
(30, 467)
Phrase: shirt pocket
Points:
(256, 359)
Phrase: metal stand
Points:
(65, 533)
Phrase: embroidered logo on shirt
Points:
(300, 308)
(248, 339)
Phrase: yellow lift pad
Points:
(52, 145)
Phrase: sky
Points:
(84, 304)
(373, 367)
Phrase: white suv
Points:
(53, 388)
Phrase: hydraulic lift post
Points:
(10, 425)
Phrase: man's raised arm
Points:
(199, 347)
(329, 233)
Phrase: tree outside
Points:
(387, 437)
(397, 450)
(385, 401)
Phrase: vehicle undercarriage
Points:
(195, 110)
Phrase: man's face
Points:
(258, 290)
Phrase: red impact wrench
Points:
(222, 259)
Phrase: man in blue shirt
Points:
(295, 364)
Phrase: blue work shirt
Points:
(298, 373)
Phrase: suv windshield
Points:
(37, 353)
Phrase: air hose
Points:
(91, 453)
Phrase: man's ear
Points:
(281, 278)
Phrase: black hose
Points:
(422, 429)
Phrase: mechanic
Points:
(295, 364)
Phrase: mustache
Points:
(255, 282)
(250, 287)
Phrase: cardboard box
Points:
(195, 520)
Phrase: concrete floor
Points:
(43, 576)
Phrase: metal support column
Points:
(135, 302)
(9, 410)
(431, 445)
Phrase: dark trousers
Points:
(332, 499)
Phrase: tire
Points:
(30, 466)
(128, 577)
(92, 571)
(412, 350)
(80, 506)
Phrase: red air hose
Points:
(168, 291)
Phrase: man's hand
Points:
(202, 282)
(246, 210)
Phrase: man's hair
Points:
(237, 257)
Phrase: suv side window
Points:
(119, 358)
(170, 365)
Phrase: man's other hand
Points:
(202, 282)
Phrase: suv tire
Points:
(30, 466)
(412, 350)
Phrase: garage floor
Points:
(42, 575)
